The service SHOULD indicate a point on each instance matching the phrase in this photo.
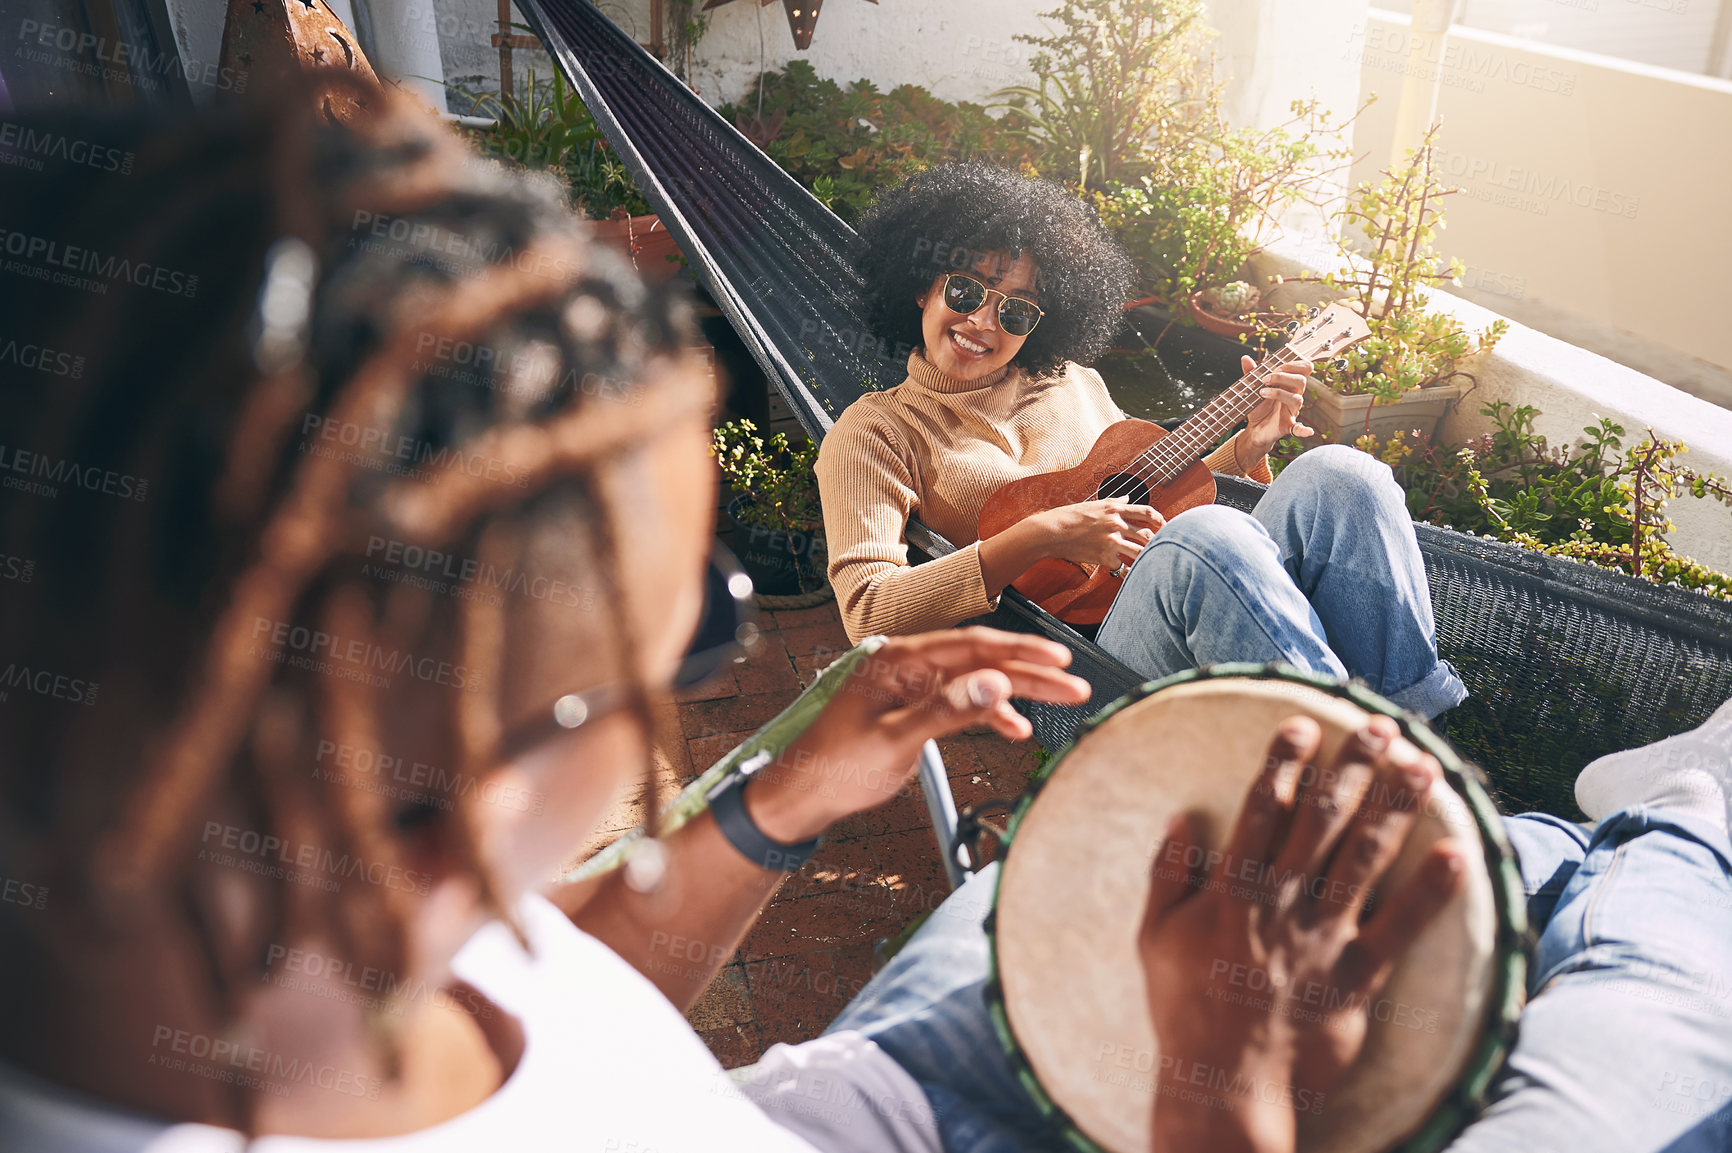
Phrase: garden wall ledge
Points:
(1570, 386)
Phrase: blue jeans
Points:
(1625, 1045)
(1325, 575)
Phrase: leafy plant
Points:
(1409, 347)
(1112, 75)
(846, 143)
(1594, 501)
(1214, 195)
(685, 28)
(777, 480)
(549, 129)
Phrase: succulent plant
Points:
(1232, 298)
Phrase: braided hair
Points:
(199, 480)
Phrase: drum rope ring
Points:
(970, 827)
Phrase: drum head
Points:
(1075, 882)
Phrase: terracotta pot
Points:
(643, 241)
(1215, 322)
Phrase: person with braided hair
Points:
(364, 509)
(353, 513)
(353, 519)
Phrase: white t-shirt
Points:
(609, 1066)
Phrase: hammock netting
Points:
(1564, 661)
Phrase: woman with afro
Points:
(1006, 288)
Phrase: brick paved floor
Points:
(813, 948)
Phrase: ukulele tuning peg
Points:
(1311, 310)
(1292, 326)
(1339, 364)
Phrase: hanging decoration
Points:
(802, 17)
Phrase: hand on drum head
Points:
(862, 749)
(1261, 965)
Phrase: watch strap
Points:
(728, 805)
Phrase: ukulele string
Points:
(1177, 449)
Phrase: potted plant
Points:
(1213, 200)
(1409, 373)
(1594, 501)
(778, 525)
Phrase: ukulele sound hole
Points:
(1123, 484)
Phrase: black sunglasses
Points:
(726, 630)
(1016, 315)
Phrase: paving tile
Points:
(718, 686)
(995, 754)
(673, 761)
(906, 810)
(735, 1045)
(838, 867)
(724, 1004)
(706, 751)
(825, 921)
(909, 865)
(825, 637)
(730, 715)
(796, 997)
(770, 671)
(827, 613)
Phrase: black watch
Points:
(728, 803)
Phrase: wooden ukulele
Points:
(1145, 464)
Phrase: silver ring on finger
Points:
(1119, 573)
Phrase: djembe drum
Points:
(1067, 994)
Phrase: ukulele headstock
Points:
(1328, 333)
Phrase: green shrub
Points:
(846, 143)
(777, 480)
(549, 129)
(1112, 77)
(1213, 196)
(1409, 347)
(1595, 501)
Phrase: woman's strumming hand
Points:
(1101, 532)
(1279, 910)
(861, 750)
(1277, 414)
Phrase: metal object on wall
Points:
(802, 17)
(272, 40)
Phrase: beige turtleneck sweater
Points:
(937, 447)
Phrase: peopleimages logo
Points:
(220, 1059)
(117, 60)
(40, 358)
(375, 233)
(59, 263)
(302, 863)
(339, 979)
(25, 147)
(363, 658)
(465, 577)
(46, 683)
(45, 472)
(407, 456)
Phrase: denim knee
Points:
(1212, 530)
(1350, 478)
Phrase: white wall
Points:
(1593, 185)
(958, 49)
(1667, 33)
(1572, 387)
(1269, 50)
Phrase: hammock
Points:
(1564, 661)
